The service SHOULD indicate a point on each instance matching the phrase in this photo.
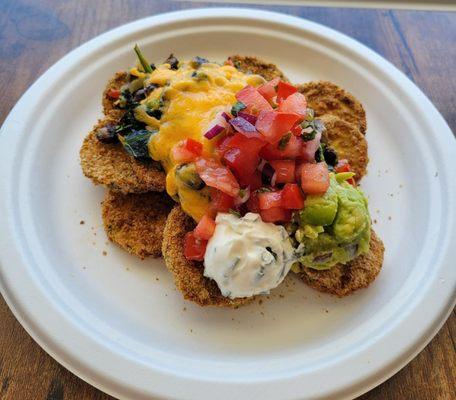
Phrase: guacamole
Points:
(333, 228)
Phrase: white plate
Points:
(120, 324)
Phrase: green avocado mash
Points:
(333, 228)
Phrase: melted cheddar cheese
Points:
(192, 98)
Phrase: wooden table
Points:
(35, 34)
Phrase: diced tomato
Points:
(284, 90)
(298, 172)
(222, 145)
(284, 170)
(205, 228)
(220, 202)
(241, 155)
(275, 214)
(187, 150)
(269, 200)
(296, 130)
(194, 248)
(344, 166)
(114, 93)
(242, 164)
(240, 141)
(273, 125)
(253, 204)
(216, 175)
(253, 100)
(194, 146)
(292, 197)
(268, 90)
(291, 150)
(294, 104)
(314, 178)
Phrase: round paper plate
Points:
(120, 324)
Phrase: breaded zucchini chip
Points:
(116, 82)
(343, 279)
(253, 65)
(348, 142)
(110, 165)
(327, 98)
(188, 275)
(136, 221)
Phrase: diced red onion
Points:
(226, 116)
(243, 126)
(214, 127)
(310, 148)
(248, 117)
(214, 131)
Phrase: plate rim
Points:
(138, 25)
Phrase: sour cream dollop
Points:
(247, 256)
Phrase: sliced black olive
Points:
(141, 94)
(172, 61)
(187, 174)
(107, 134)
(154, 113)
(330, 156)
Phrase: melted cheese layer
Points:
(192, 97)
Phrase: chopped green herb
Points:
(128, 123)
(238, 106)
(126, 100)
(319, 154)
(144, 63)
(311, 126)
(308, 136)
(264, 189)
(284, 141)
(135, 143)
(235, 212)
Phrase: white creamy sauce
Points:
(247, 256)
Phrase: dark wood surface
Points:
(35, 34)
